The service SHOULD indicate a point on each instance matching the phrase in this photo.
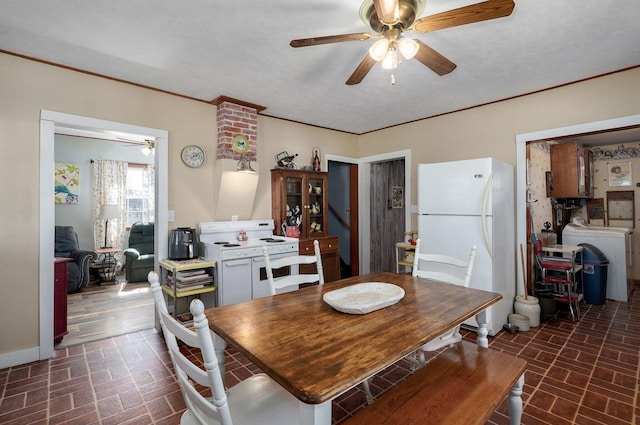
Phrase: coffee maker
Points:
(183, 244)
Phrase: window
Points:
(140, 205)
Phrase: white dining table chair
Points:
(257, 400)
(287, 279)
(443, 268)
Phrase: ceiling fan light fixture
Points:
(390, 61)
(149, 148)
(379, 49)
(408, 47)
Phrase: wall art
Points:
(619, 174)
(66, 183)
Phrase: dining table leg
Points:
(481, 319)
(515, 402)
(315, 414)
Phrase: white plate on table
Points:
(364, 298)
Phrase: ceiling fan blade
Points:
(388, 11)
(314, 41)
(433, 60)
(484, 11)
(361, 71)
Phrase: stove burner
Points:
(229, 245)
(272, 240)
(220, 243)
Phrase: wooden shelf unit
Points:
(402, 249)
(169, 268)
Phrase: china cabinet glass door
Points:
(294, 214)
(315, 207)
(299, 203)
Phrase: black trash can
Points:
(594, 269)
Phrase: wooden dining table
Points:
(317, 353)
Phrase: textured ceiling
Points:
(209, 48)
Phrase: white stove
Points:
(240, 263)
(220, 239)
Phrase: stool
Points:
(561, 272)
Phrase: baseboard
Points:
(15, 358)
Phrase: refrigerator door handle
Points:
(483, 218)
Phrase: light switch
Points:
(171, 216)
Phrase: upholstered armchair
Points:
(140, 255)
(66, 245)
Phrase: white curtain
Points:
(109, 183)
(149, 182)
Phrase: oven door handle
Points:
(236, 263)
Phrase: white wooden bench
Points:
(462, 386)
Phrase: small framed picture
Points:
(397, 197)
(619, 174)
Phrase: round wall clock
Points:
(193, 156)
(240, 144)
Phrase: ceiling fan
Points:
(146, 147)
(389, 19)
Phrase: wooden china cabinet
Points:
(300, 207)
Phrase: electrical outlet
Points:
(531, 196)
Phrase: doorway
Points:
(367, 205)
(343, 213)
(49, 121)
(606, 128)
(111, 302)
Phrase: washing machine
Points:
(616, 244)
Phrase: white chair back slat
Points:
(276, 283)
(447, 269)
(444, 268)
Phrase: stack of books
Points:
(186, 319)
(192, 279)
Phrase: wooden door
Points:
(387, 213)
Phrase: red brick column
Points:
(235, 118)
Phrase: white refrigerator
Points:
(471, 202)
